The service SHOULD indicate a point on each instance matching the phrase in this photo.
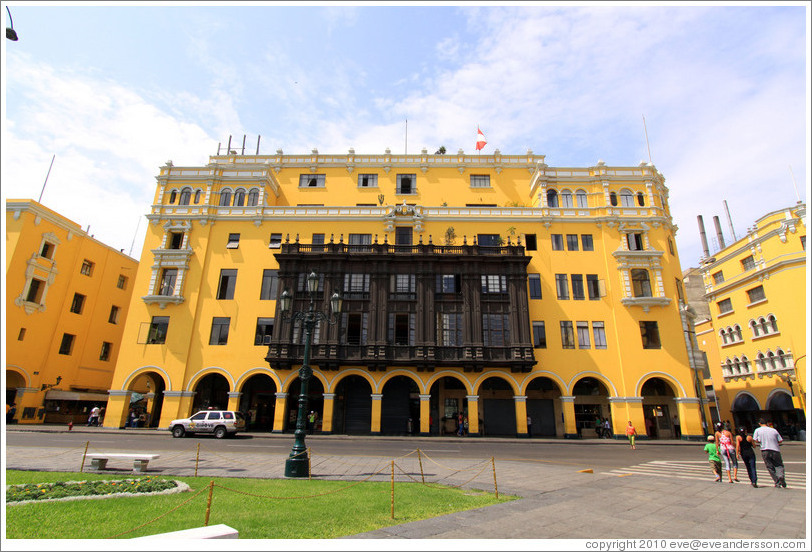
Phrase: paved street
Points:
(569, 489)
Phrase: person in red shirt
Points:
(631, 433)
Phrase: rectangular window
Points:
(356, 286)
(264, 331)
(318, 242)
(725, 306)
(113, 318)
(275, 241)
(449, 326)
(401, 329)
(567, 336)
(360, 242)
(367, 180)
(489, 240)
(299, 332)
(270, 284)
(635, 241)
(403, 235)
(219, 330)
(47, 250)
(534, 281)
(157, 330)
(561, 286)
(495, 330)
(403, 286)
(87, 268)
(586, 242)
(228, 281)
(578, 286)
(748, 263)
(311, 180)
(354, 328)
(756, 294)
(650, 334)
(78, 303)
(572, 242)
(494, 283)
(480, 181)
(557, 241)
(448, 283)
(680, 291)
(539, 335)
(66, 346)
(21, 335)
(122, 282)
(583, 334)
(599, 335)
(233, 241)
(718, 277)
(176, 239)
(168, 281)
(35, 291)
(105, 351)
(803, 243)
(530, 242)
(406, 184)
(593, 287)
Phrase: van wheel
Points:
(220, 432)
(178, 431)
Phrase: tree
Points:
(440, 151)
(450, 236)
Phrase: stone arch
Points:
(138, 371)
(515, 386)
(446, 401)
(562, 386)
(352, 406)
(450, 373)
(333, 384)
(543, 403)
(745, 401)
(779, 399)
(659, 405)
(211, 391)
(389, 375)
(200, 374)
(147, 385)
(248, 374)
(592, 405)
(400, 408)
(284, 385)
(21, 373)
(676, 386)
(588, 373)
(258, 388)
(497, 405)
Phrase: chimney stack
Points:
(702, 236)
(719, 235)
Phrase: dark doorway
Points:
(315, 402)
(400, 411)
(353, 407)
(258, 402)
(498, 408)
(211, 392)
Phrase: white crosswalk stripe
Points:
(701, 470)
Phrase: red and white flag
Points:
(480, 139)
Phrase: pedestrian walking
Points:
(311, 422)
(529, 427)
(93, 420)
(770, 441)
(607, 428)
(631, 432)
(713, 457)
(677, 432)
(727, 450)
(598, 427)
(745, 450)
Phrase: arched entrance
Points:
(591, 402)
(211, 392)
(400, 409)
(659, 408)
(14, 380)
(544, 407)
(746, 411)
(352, 413)
(497, 408)
(315, 401)
(448, 399)
(146, 399)
(258, 402)
(787, 419)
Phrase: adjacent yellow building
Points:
(529, 299)
(67, 296)
(755, 332)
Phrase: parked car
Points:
(221, 423)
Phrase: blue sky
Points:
(114, 91)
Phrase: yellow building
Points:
(67, 296)
(755, 333)
(492, 286)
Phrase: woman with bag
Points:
(745, 450)
(727, 450)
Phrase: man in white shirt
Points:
(770, 440)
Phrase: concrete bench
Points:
(98, 461)
(210, 532)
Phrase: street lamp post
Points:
(297, 463)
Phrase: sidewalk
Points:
(558, 501)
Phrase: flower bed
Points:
(103, 488)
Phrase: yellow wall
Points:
(32, 357)
(518, 186)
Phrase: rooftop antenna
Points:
(730, 223)
(46, 179)
(136, 233)
(258, 137)
(406, 144)
(797, 196)
(647, 145)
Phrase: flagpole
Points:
(647, 146)
(406, 144)
(46, 179)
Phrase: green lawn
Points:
(257, 508)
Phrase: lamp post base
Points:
(297, 467)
